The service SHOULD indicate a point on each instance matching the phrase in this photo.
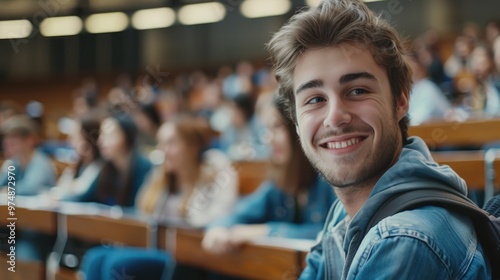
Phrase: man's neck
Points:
(353, 197)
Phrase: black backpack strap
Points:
(486, 226)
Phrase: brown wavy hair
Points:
(332, 23)
(197, 135)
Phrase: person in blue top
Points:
(29, 172)
(124, 169)
(292, 203)
(33, 171)
(344, 75)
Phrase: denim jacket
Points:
(424, 243)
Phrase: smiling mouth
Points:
(335, 145)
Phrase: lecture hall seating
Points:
(276, 261)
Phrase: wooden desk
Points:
(253, 261)
(470, 165)
(24, 270)
(38, 220)
(469, 133)
(99, 226)
(251, 175)
(35, 220)
(107, 230)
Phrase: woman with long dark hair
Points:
(77, 180)
(124, 168)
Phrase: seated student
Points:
(73, 182)
(193, 185)
(33, 170)
(485, 100)
(124, 168)
(427, 101)
(148, 120)
(293, 203)
(33, 173)
(242, 139)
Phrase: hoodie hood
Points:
(415, 169)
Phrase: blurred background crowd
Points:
(151, 119)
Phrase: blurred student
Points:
(427, 101)
(193, 186)
(459, 62)
(34, 171)
(148, 120)
(77, 180)
(242, 139)
(484, 101)
(492, 31)
(124, 168)
(292, 203)
(7, 109)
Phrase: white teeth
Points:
(342, 144)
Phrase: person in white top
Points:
(76, 180)
(427, 101)
(193, 185)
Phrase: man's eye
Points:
(358, 91)
(315, 100)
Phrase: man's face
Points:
(347, 119)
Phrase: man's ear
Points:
(402, 105)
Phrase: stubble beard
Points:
(378, 161)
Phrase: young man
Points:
(343, 73)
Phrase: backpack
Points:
(486, 225)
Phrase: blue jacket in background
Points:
(140, 168)
(424, 243)
(272, 206)
(38, 175)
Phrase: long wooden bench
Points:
(264, 260)
(24, 270)
(469, 165)
(104, 227)
(470, 133)
(255, 260)
(39, 220)
(276, 260)
(109, 231)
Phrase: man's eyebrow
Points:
(354, 76)
(308, 85)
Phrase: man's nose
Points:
(338, 113)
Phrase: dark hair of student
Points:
(109, 183)
(151, 112)
(246, 103)
(89, 128)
